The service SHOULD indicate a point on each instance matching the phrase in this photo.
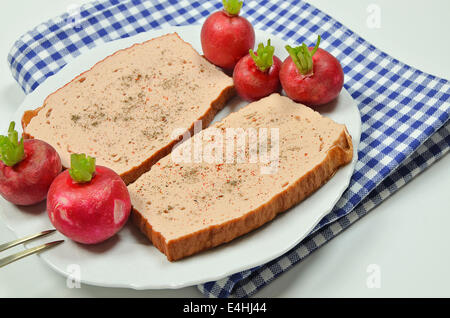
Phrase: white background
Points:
(406, 236)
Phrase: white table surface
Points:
(405, 237)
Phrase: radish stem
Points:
(302, 57)
(11, 150)
(264, 57)
(232, 7)
(82, 168)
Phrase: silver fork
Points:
(12, 258)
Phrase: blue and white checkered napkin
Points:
(404, 112)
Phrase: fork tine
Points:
(12, 258)
(24, 239)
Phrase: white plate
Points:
(128, 259)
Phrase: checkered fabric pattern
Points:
(404, 111)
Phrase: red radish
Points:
(27, 168)
(226, 36)
(311, 75)
(256, 75)
(86, 203)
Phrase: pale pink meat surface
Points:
(126, 107)
(179, 199)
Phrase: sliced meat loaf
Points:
(124, 110)
(186, 207)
